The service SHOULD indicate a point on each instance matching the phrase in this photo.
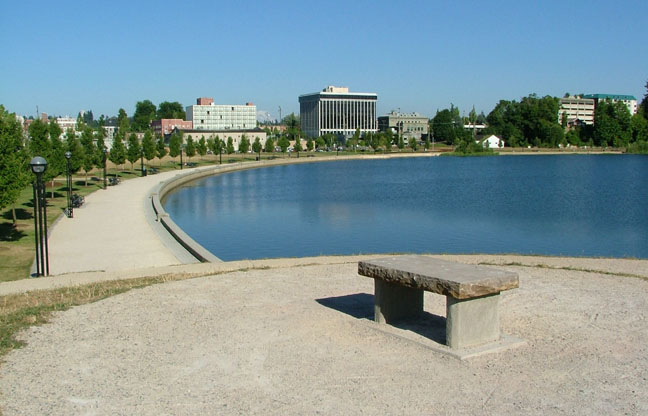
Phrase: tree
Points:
(283, 143)
(388, 139)
(73, 146)
(148, 145)
(413, 143)
(644, 104)
(170, 110)
(89, 151)
(175, 144)
(472, 116)
(190, 148)
(269, 145)
(612, 124)
(145, 112)
(88, 118)
(639, 128)
(39, 144)
(309, 144)
(401, 143)
(118, 151)
(298, 147)
(13, 161)
(211, 144)
(256, 146)
(426, 144)
(100, 146)
(160, 148)
(532, 120)
(202, 146)
(56, 163)
(133, 151)
(292, 122)
(123, 123)
(354, 140)
(320, 143)
(563, 120)
(443, 125)
(230, 146)
(244, 145)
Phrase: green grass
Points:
(17, 242)
(20, 311)
(569, 268)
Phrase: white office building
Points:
(337, 111)
(578, 110)
(206, 115)
(629, 100)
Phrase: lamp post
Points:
(38, 166)
(142, 159)
(105, 156)
(181, 147)
(68, 155)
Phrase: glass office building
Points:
(337, 111)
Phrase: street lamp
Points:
(38, 166)
(105, 156)
(181, 147)
(68, 155)
(142, 159)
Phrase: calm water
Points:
(575, 205)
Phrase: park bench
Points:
(472, 294)
(77, 200)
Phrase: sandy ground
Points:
(299, 340)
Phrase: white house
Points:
(492, 142)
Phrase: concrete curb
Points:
(185, 248)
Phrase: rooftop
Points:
(610, 96)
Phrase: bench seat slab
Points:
(461, 281)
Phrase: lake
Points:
(566, 205)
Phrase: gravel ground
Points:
(297, 340)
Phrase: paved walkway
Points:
(110, 232)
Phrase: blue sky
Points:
(416, 55)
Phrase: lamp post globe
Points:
(68, 155)
(38, 165)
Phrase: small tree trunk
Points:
(13, 216)
(86, 178)
(52, 188)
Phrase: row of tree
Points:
(533, 121)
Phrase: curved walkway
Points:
(110, 232)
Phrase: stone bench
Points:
(472, 294)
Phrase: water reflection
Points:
(563, 205)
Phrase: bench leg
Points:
(471, 322)
(393, 302)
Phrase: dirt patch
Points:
(269, 341)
